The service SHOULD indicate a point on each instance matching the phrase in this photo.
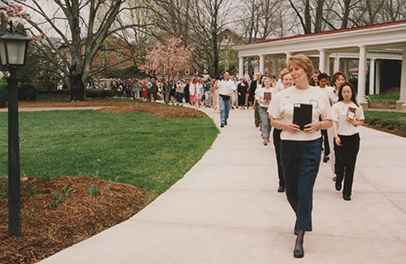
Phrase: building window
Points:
(196, 72)
(266, 71)
(187, 71)
(266, 59)
(226, 37)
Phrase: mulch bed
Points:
(124, 106)
(47, 230)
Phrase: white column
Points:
(275, 66)
(240, 67)
(362, 74)
(372, 76)
(288, 55)
(378, 77)
(262, 64)
(322, 60)
(346, 68)
(337, 63)
(403, 78)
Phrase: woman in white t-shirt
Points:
(263, 95)
(300, 146)
(347, 115)
(286, 82)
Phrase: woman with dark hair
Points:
(242, 91)
(314, 81)
(338, 79)
(347, 115)
(300, 146)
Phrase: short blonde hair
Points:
(303, 62)
(283, 73)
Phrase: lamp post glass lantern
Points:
(13, 51)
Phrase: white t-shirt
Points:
(225, 87)
(259, 94)
(340, 112)
(330, 92)
(282, 105)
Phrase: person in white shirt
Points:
(329, 91)
(225, 89)
(286, 82)
(300, 149)
(347, 115)
(263, 95)
(338, 79)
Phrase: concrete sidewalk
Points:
(226, 210)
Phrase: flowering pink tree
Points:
(170, 58)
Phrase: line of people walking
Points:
(333, 118)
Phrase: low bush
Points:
(27, 92)
(391, 120)
(385, 96)
(64, 94)
(3, 93)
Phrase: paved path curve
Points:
(226, 210)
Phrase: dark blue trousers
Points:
(300, 164)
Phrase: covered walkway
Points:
(374, 43)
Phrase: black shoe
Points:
(225, 123)
(281, 189)
(326, 158)
(338, 185)
(298, 253)
(347, 197)
(222, 125)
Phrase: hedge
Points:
(391, 120)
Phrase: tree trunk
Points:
(214, 37)
(344, 23)
(319, 16)
(77, 91)
(308, 19)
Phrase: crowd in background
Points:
(196, 91)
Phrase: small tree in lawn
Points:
(169, 58)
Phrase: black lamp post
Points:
(13, 51)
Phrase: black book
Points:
(302, 114)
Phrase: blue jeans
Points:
(180, 97)
(265, 122)
(224, 109)
(300, 162)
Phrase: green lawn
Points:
(390, 120)
(138, 149)
(385, 96)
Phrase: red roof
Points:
(333, 32)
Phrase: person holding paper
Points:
(286, 81)
(347, 115)
(264, 95)
(300, 149)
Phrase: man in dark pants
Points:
(251, 98)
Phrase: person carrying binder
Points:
(300, 145)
